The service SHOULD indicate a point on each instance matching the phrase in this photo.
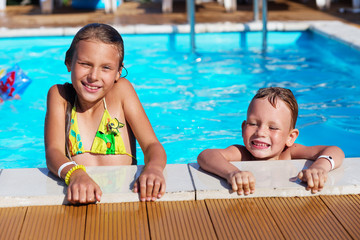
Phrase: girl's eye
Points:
(273, 128)
(251, 124)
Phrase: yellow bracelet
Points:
(67, 177)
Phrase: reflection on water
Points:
(198, 102)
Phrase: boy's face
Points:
(267, 130)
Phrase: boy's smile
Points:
(266, 132)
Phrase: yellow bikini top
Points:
(107, 139)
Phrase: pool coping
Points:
(337, 30)
(37, 186)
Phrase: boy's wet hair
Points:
(284, 94)
(100, 32)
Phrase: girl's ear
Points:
(68, 66)
(294, 133)
(118, 75)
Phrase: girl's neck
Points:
(88, 107)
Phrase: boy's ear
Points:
(294, 133)
(243, 125)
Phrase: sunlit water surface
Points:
(197, 102)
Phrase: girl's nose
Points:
(93, 75)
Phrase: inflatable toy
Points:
(13, 83)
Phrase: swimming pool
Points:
(197, 102)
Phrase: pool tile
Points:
(30, 186)
(277, 179)
(37, 186)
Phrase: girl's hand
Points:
(315, 178)
(82, 189)
(242, 182)
(151, 184)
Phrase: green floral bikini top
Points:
(107, 139)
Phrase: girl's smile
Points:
(93, 77)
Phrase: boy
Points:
(269, 134)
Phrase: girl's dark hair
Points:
(70, 95)
(94, 31)
(97, 31)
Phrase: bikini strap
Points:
(104, 103)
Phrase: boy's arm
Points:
(151, 183)
(217, 161)
(299, 151)
(82, 189)
(316, 174)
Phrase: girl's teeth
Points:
(93, 88)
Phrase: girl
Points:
(94, 121)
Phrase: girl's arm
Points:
(82, 189)
(217, 161)
(151, 183)
(316, 174)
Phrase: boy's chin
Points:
(261, 155)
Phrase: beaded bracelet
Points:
(67, 177)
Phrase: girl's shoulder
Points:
(123, 88)
(62, 92)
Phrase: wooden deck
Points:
(317, 217)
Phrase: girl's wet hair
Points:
(284, 94)
(99, 32)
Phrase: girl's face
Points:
(94, 69)
(267, 130)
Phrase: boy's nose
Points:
(261, 131)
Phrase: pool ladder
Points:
(190, 6)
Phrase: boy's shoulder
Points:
(237, 152)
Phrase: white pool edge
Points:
(185, 182)
(340, 31)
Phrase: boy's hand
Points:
(315, 178)
(151, 184)
(242, 182)
(83, 189)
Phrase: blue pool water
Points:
(197, 102)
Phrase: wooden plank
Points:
(54, 222)
(11, 221)
(346, 208)
(305, 218)
(180, 220)
(117, 221)
(246, 218)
